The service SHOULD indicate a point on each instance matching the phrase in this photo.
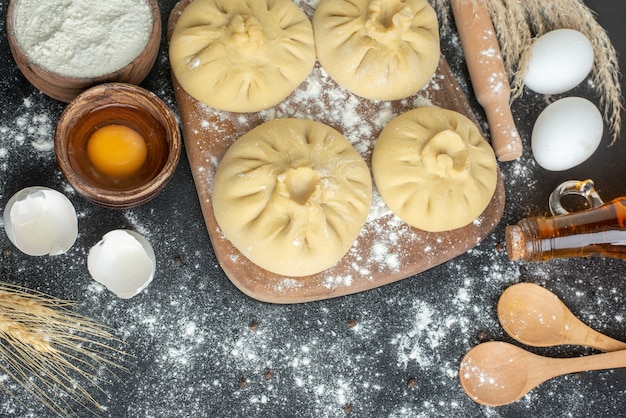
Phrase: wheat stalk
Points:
(48, 350)
(518, 23)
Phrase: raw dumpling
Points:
(378, 49)
(292, 195)
(241, 56)
(433, 169)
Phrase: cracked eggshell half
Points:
(123, 261)
(40, 221)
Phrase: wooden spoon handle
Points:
(560, 366)
(488, 75)
(577, 332)
(610, 344)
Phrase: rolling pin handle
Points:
(488, 75)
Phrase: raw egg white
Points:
(566, 133)
(40, 221)
(123, 261)
(559, 61)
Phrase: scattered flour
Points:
(202, 348)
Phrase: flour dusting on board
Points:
(387, 249)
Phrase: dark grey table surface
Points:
(190, 333)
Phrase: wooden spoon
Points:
(537, 317)
(498, 373)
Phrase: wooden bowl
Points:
(120, 104)
(65, 88)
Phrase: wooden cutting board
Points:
(387, 249)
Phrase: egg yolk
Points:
(117, 150)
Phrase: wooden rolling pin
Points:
(488, 75)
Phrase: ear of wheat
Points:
(49, 350)
(518, 23)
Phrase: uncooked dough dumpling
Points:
(378, 49)
(292, 195)
(241, 56)
(434, 169)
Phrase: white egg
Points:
(123, 261)
(559, 61)
(566, 133)
(40, 221)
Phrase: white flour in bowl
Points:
(80, 38)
